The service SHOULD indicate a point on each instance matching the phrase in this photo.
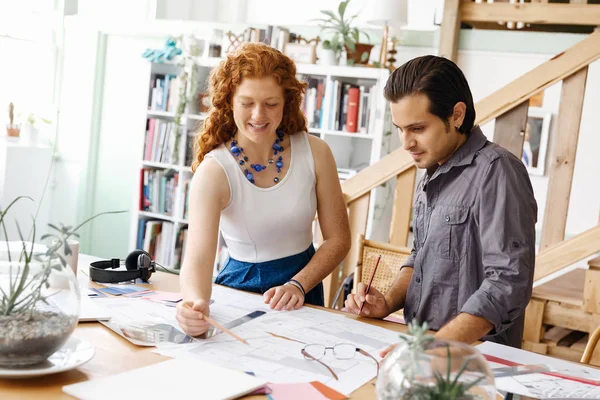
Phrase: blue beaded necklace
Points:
(238, 152)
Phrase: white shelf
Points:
(197, 117)
(161, 114)
(154, 164)
(163, 217)
(186, 169)
(340, 133)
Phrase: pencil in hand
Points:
(370, 282)
(223, 329)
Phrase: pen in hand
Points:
(370, 282)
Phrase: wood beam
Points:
(374, 175)
(358, 212)
(509, 130)
(449, 30)
(401, 214)
(568, 252)
(539, 78)
(563, 159)
(551, 13)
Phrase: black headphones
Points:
(139, 264)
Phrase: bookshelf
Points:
(159, 223)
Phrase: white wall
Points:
(480, 67)
(269, 12)
(420, 12)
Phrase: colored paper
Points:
(295, 391)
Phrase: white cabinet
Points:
(23, 172)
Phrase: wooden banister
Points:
(376, 174)
(568, 252)
(538, 79)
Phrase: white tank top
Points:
(264, 224)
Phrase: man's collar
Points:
(465, 154)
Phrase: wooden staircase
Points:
(564, 311)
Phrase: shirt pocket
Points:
(452, 230)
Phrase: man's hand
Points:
(376, 305)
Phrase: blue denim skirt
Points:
(260, 277)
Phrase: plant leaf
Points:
(342, 8)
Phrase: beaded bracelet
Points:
(298, 285)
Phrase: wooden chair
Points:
(392, 259)
(590, 346)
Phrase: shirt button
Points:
(447, 218)
(429, 209)
(515, 244)
(414, 314)
(418, 280)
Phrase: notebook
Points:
(91, 311)
(179, 378)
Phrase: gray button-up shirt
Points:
(474, 241)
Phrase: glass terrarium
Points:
(421, 368)
(39, 303)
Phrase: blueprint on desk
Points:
(271, 354)
(572, 384)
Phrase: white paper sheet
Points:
(543, 386)
(178, 379)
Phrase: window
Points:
(29, 47)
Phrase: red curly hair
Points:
(251, 60)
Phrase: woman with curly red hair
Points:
(260, 179)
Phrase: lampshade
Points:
(387, 12)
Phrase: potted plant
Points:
(31, 127)
(331, 51)
(421, 367)
(39, 295)
(12, 129)
(340, 24)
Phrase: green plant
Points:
(334, 44)
(341, 26)
(446, 386)
(26, 283)
(33, 119)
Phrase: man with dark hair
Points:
(470, 272)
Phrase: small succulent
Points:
(26, 283)
(446, 386)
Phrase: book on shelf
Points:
(350, 106)
(164, 91)
(157, 191)
(189, 149)
(180, 243)
(155, 237)
(185, 197)
(159, 143)
(312, 102)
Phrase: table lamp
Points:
(387, 13)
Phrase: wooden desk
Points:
(114, 354)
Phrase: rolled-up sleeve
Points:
(507, 216)
(410, 261)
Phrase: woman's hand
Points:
(287, 297)
(190, 315)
